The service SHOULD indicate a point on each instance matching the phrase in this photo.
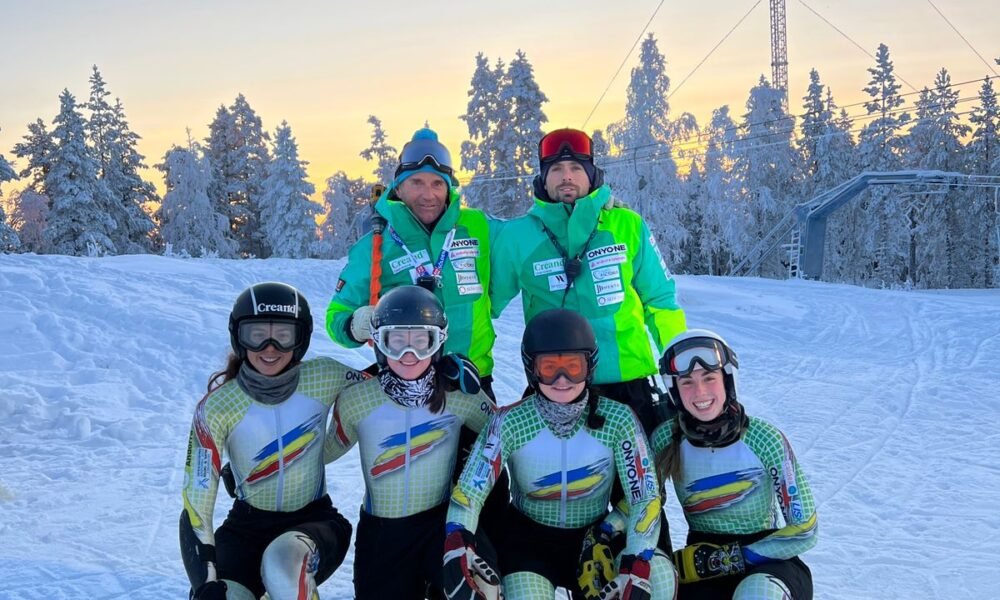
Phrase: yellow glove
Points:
(707, 561)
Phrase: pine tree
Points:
(8, 237)
(828, 160)
(480, 116)
(882, 253)
(127, 186)
(719, 234)
(984, 159)
(385, 156)
(189, 223)
(345, 200)
(522, 131)
(939, 255)
(238, 151)
(645, 173)
(504, 120)
(767, 168)
(37, 148)
(79, 222)
(287, 215)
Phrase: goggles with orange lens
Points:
(571, 365)
(565, 143)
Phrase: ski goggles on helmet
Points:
(684, 356)
(571, 365)
(565, 143)
(396, 340)
(255, 335)
(422, 153)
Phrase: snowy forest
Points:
(708, 191)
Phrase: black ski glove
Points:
(459, 373)
(707, 561)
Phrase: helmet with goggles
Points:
(566, 144)
(270, 314)
(556, 343)
(698, 348)
(408, 319)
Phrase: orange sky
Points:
(325, 66)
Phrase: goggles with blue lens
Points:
(426, 152)
(257, 334)
(423, 341)
(685, 356)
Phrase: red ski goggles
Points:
(258, 334)
(565, 143)
(572, 365)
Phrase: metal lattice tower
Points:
(779, 49)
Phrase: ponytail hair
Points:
(594, 420)
(219, 378)
(667, 462)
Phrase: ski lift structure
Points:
(804, 227)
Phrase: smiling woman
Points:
(267, 410)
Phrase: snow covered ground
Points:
(889, 398)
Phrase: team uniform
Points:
(560, 486)
(408, 460)
(276, 455)
(457, 247)
(751, 492)
(623, 286)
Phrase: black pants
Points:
(242, 538)
(552, 552)
(403, 558)
(792, 572)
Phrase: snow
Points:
(887, 396)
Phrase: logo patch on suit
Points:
(720, 491)
(423, 439)
(293, 444)
(580, 482)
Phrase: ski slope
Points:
(889, 398)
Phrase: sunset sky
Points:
(324, 66)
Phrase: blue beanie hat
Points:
(425, 154)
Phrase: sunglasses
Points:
(565, 143)
(421, 153)
(571, 365)
(257, 335)
(422, 340)
(683, 357)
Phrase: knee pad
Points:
(289, 566)
(762, 586)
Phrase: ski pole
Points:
(378, 223)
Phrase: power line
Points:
(967, 43)
(857, 45)
(624, 60)
(714, 48)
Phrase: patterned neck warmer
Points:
(407, 392)
(561, 418)
(268, 390)
(723, 430)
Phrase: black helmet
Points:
(409, 307)
(698, 347)
(557, 330)
(276, 303)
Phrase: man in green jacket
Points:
(577, 249)
(431, 240)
